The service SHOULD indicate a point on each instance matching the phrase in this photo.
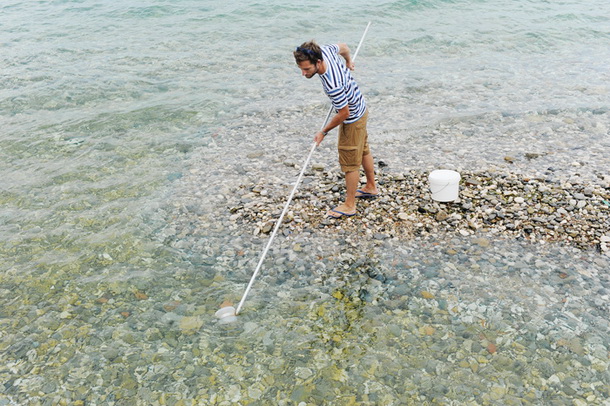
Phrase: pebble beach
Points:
(531, 190)
(505, 206)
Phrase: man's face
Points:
(308, 69)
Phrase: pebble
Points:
(190, 324)
(482, 242)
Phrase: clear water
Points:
(110, 110)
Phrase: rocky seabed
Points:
(498, 298)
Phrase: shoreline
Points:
(508, 205)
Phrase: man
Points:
(351, 116)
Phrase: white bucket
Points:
(444, 185)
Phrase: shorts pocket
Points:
(348, 155)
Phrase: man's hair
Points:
(308, 51)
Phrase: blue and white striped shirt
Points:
(340, 86)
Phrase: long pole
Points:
(294, 189)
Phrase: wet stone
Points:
(111, 354)
(255, 154)
(49, 387)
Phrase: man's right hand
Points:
(318, 138)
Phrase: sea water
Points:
(107, 107)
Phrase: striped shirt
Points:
(340, 86)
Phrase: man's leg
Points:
(369, 170)
(352, 143)
(351, 185)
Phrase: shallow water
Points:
(124, 126)
(482, 325)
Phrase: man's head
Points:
(309, 58)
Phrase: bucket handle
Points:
(440, 190)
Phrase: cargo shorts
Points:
(353, 144)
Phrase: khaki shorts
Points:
(353, 144)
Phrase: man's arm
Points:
(337, 119)
(345, 53)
